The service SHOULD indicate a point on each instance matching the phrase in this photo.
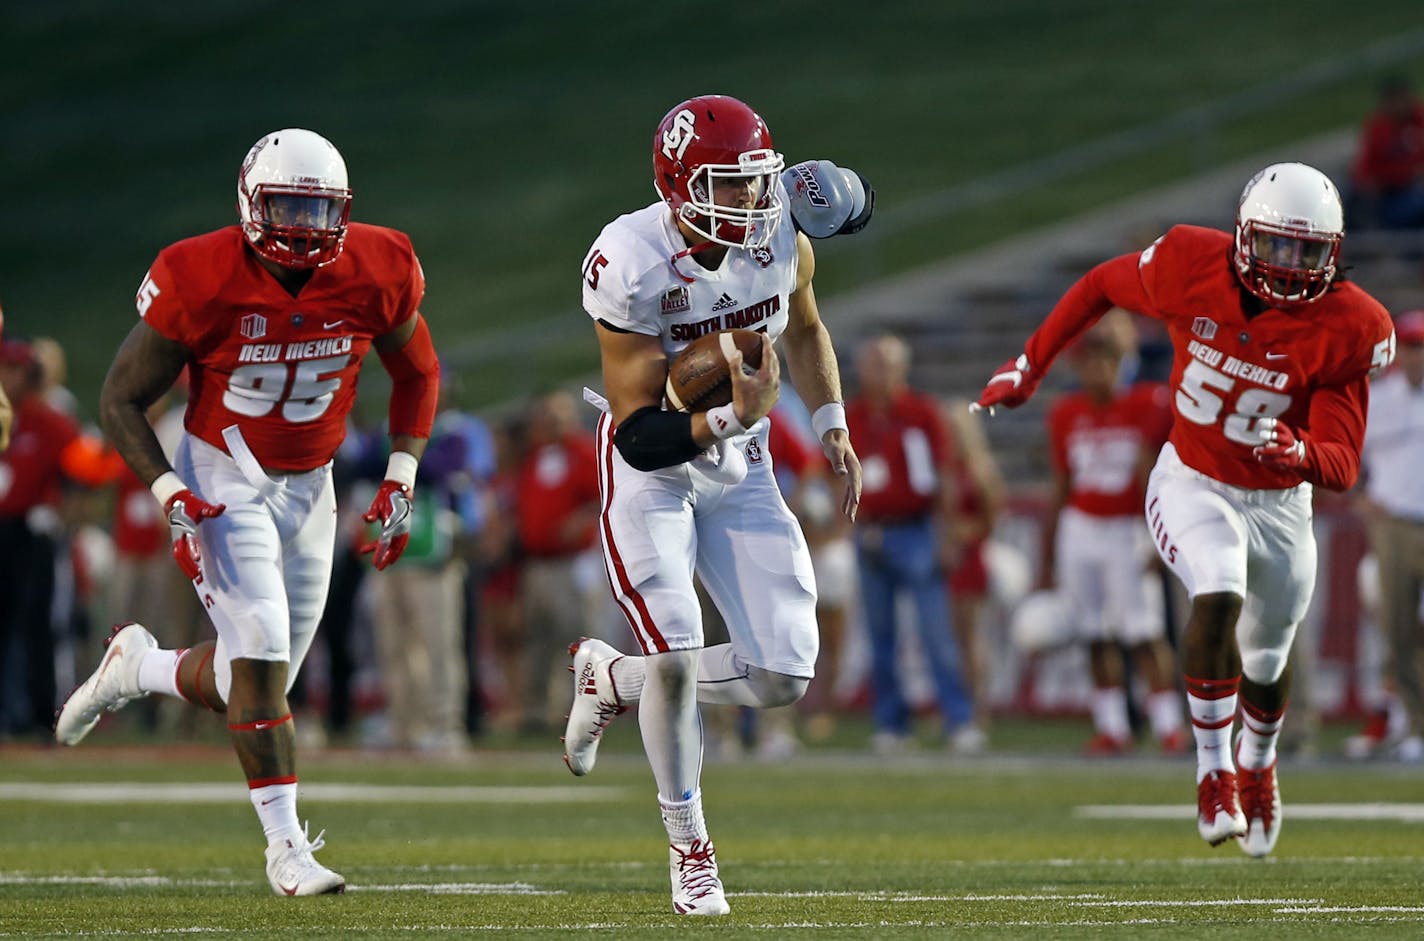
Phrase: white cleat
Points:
(595, 702)
(109, 687)
(696, 889)
(293, 870)
(1260, 795)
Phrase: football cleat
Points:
(1261, 806)
(1103, 745)
(595, 702)
(1218, 817)
(696, 889)
(293, 870)
(1175, 742)
(109, 687)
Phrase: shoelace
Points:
(607, 712)
(1217, 796)
(697, 868)
(1257, 793)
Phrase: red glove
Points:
(1282, 450)
(392, 509)
(185, 511)
(1011, 386)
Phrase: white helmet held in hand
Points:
(1288, 232)
(293, 198)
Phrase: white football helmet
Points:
(1288, 232)
(293, 198)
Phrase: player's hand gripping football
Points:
(1011, 386)
(392, 509)
(754, 393)
(1281, 449)
(185, 510)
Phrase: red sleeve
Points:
(1114, 283)
(159, 304)
(412, 292)
(1337, 432)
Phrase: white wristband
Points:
(829, 417)
(166, 486)
(401, 468)
(724, 422)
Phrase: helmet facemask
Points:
(300, 226)
(750, 184)
(1285, 265)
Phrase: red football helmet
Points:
(293, 199)
(714, 146)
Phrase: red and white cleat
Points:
(1219, 818)
(112, 684)
(696, 888)
(595, 702)
(1261, 806)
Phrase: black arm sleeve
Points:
(651, 439)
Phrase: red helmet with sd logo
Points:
(714, 165)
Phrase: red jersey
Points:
(790, 452)
(1391, 150)
(1099, 448)
(140, 525)
(282, 368)
(901, 453)
(555, 481)
(30, 470)
(1306, 365)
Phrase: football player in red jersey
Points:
(1272, 354)
(272, 318)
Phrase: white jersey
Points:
(630, 281)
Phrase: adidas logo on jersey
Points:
(725, 301)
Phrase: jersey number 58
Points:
(1198, 402)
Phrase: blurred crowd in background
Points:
(940, 609)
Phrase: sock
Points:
(670, 724)
(158, 672)
(1212, 704)
(1256, 749)
(276, 806)
(628, 673)
(1109, 704)
(683, 819)
(1164, 711)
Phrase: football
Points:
(700, 378)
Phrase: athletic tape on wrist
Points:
(829, 417)
(724, 422)
(166, 486)
(401, 468)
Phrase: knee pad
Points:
(1264, 666)
(776, 689)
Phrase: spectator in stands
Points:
(419, 609)
(1394, 501)
(904, 535)
(558, 506)
(980, 495)
(1388, 173)
(30, 474)
(1103, 440)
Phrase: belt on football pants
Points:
(246, 462)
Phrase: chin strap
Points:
(686, 252)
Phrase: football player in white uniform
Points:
(684, 491)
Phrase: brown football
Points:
(699, 377)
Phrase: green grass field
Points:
(1028, 841)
